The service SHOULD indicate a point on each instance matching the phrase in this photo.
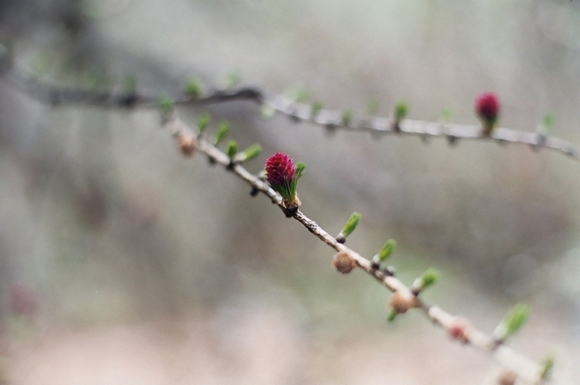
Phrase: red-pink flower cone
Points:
(283, 176)
(487, 107)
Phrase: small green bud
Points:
(298, 94)
(516, 318)
(203, 122)
(222, 131)
(267, 112)
(346, 117)
(233, 79)
(316, 108)
(547, 366)
(232, 149)
(446, 114)
(428, 278)
(351, 224)
(392, 315)
(194, 88)
(548, 121)
(386, 250)
(251, 152)
(513, 321)
(166, 103)
(401, 110)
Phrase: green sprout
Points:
(166, 103)
(267, 112)
(548, 121)
(346, 117)
(349, 227)
(316, 108)
(203, 121)
(351, 224)
(194, 88)
(298, 94)
(233, 79)
(386, 250)
(251, 152)
(446, 114)
(429, 278)
(547, 366)
(222, 131)
(401, 110)
(513, 322)
(232, 149)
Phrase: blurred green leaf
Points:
(222, 131)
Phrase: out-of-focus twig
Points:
(331, 119)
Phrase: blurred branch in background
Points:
(299, 112)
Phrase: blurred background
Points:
(122, 262)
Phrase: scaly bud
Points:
(507, 378)
(343, 262)
(187, 144)
(459, 330)
(399, 304)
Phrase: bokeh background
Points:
(122, 262)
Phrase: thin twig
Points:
(287, 106)
(526, 369)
